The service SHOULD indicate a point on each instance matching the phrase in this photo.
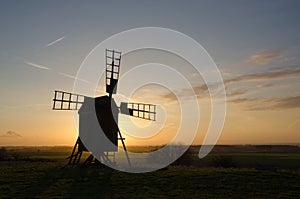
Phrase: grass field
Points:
(40, 172)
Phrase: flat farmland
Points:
(228, 172)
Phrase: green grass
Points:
(52, 180)
(43, 174)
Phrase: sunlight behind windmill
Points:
(107, 117)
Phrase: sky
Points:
(255, 44)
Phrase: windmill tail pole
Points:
(128, 160)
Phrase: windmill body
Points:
(100, 112)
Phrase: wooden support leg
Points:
(73, 151)
(124, 147)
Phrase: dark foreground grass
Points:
(23, 179)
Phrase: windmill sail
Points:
(67, 101)
(140, 110)
(113, 61)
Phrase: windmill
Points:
(104, 108)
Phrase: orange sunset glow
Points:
(258, 59)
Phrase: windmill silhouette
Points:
(106, 111)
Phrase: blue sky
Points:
(42, 44)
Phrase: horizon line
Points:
(193, 145)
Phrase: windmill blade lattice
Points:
(113, 62)
(67, 101)
(140, 110)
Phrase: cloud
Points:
(285, 102)
(255, 104)
(273, 74)
(236, 92)
(56, 41)
(37, 66)
(262, 86)
(265, 57)
(235, 95)
(10, 134)
(185, 93)
(168, 97)
(73, 77)
(242, 100)
(200, 92)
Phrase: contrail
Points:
(8, 107)
(54, 42)
(73, 77)
(37, 66)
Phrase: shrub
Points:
(169, 153)
(223, 161)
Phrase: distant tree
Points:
(3, 153)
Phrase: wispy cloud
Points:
(56, 41)
(243, 100)
(263, 86)
(256, 104)
(278, 73)
(73, 77)
(265, 57)
(236, 92)
(10, 134)
(37, 66)
(185, 93)
(285, 102)
(275, 74)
